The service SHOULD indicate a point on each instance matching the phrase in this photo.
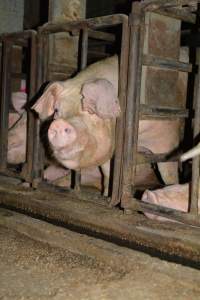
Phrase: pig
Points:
(174, 196)
(53, 173)
(94, 91)
(17, 129)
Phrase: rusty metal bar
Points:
(162, 112)
(99, 35)
(196, 160)
(152, 5)
(151, 60)
(15, 36)
(37, 173)
(183, 217)
(24, 39)
(83, 64)
(179, 14)
(84, 48)
(4, 104)
(30, 117)
(132, 108)
(120, 126)
(93, 23)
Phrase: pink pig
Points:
(92, 97)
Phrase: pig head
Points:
(82, 141)
(94, 89)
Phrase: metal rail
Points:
(27, 40)
(89, 28)
(136, 60)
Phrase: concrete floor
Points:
(33, 269)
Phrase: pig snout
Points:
(61, 133)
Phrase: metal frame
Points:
(89, 28)
(131, 62)
(136, 60)
(26, 39)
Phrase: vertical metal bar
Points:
(83, 64)
(30, 117)
(84, 48)
(123, 76)
(132, 109)
(4, 104)
(37, 144)
(196, 130)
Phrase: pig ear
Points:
(45, 105)
(100, 98)
(18, 101)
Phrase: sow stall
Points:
(86, 211)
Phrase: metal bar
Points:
(120, 125)
(15, 36)
(162, 112)
(4, 105)
(30, 117)
(37, 144)
(83, 64)
(99, 35)
(183, 217)
(151, 60)
(93, 23)
(180, 14)
(196, 161)
(84, 49)
(153, 5)
(132, 109)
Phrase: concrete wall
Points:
(11, 15)
(63, 47)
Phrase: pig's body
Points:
(174, 196)
(17, 125)
(17, 141)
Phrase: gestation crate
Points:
(142, 64)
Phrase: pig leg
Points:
(169, 172)
(106, 173)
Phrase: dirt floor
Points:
(32, 269)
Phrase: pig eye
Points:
(55, 115)
(67, 130)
